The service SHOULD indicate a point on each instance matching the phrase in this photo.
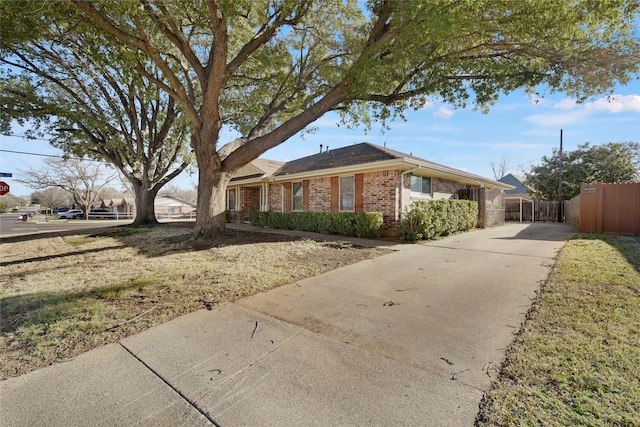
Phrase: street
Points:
(10, 225)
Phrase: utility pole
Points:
(560, 182)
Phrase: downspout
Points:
(402, 188)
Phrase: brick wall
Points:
(444, 187)
(275, 197)
(250, 202)
(380, 190)
(320, 195)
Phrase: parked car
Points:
(71, 214)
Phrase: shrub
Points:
(426, 220)
(359, 224)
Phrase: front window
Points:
(420, 184)
(231, 199)
(347, 193)
(297, 196)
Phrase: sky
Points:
(518, 130)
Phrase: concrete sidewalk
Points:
(410, 338)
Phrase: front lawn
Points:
(576, 360)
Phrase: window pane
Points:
(296, 204)
(231, 200)
(347, 190)
(426, 185)
(416, 184)
(346, 202)
(297, 189)
(346, 184)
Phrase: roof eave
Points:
(435, 170)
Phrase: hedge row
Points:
(360, 224)
(426, 220)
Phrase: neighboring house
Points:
(359, 178)
(169, 206)
(520, 190)
(519, 206)
(165, 206)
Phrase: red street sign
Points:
(4, 188)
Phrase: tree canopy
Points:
(269, 68)
(69, 89)
(614, 162)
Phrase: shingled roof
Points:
(361, 157)
(340, 157)
(517, 182)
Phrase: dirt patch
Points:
(65, 294)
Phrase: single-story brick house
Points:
(359, 178)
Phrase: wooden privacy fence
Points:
(572, 210)
(610, 208)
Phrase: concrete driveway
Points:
(410, 338)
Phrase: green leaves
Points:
(613, 162)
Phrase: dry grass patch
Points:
(577, 359)
(61, 296)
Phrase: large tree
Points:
(270, 68)
(613, 162)
(80, 96)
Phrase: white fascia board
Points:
(250, 181)
(440, 171)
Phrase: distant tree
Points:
(9, 201)
(84, 180)
(51, 198)
(268, 69)
(608, 163)
(499, 169)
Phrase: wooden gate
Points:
(610, 208)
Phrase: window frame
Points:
(422, 183)
(231, 199)
(352, 193)
(299, 198)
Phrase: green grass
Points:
(576, 361)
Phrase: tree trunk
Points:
(211, 214)
(145, 208)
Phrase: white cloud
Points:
(616, 103)
(556, 119)
(566, 104)
(443, 112)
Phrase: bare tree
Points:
(51, 198)
(9, 201)
(83, 179)
(499, 169)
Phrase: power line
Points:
(33, 154)
(54, 156)
(25, 137)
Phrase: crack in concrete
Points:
(182, 395)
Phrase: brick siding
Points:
(444, 186)
(380, 190)
(275, 197)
